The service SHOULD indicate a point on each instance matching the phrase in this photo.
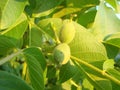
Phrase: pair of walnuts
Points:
(61, 52)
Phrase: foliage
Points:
(29, 33)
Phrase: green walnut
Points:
(61, 53)
(67, 32)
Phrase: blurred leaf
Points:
(112, 51)
(112, 36)
(45, 7)
(9, 57)
(115, 86)
(51, 72)
(87, 18)
(86, 47)
(73, 87)
(114, 42)
(102, 82)
(87, 85)
(38, 55)
(78, 77)
(114, 4)
(11, 82)
(36, 36)
(97, 81)
(108, 64)
(11, 11)
(113, 73)
(18, 29)
(67, 71)
(49, 24)
(33, 3)
(111, 47)
(82, 3)
(117, 60)
(65, 11)
(106, 22)
(66, 85)
(55, 87)
(34, 69)
(7, 44)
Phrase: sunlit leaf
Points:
(106, 22)
(86, 47)
(87, 85)
(103, 83)
(108, 64)
(18, 29)
(113, 73)
(98, 82)
(65, 11)
(112, 36)
(50, 25)
(113, 3)
(10, 11)
(81, 3)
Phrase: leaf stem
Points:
(56, 36)
(4, 60)
(103, 73)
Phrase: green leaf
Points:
(115, 86)
(113, 73)
(67, 71)
(112, 36)
(103, 83)
(112, 51)
(81, 3)
(106, 22)
(111, 47)
(98, 82)
(86, 47)
(51, 72)
(65, 11)
(50, 26)
(45, 7)
(114, 42)
(108, 64)
(78, 77)
(35, 71)
(9, 57)
(10, 11)
(113, 3)
(87, 85)
(18, 29)
(7, 44)
(36, 36)
(87, 18)
(38, 55)
(11, 82)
